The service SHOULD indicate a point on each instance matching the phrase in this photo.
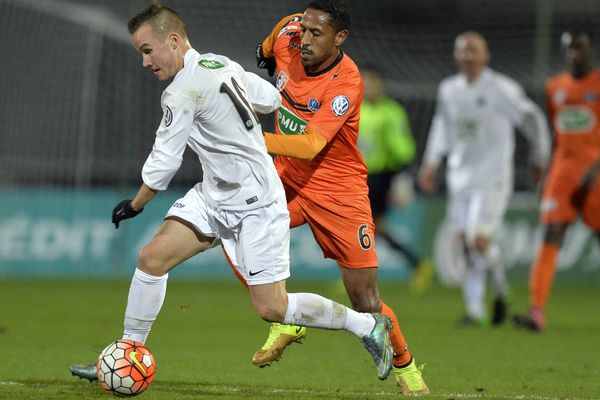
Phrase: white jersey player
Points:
(476, 115)
(210, 107)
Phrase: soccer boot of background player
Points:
(422, 276)
(410, 380)
(280, 336)
(84, 371)
(378, 344)
(534, 320)
(499, 310)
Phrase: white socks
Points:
(474, 284)
(146, 296)
(309, 309)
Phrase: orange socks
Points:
(542, 274)
(401, 354)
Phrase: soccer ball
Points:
(125, 368)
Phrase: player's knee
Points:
(555, 233)
(151, 263)
(482, 244)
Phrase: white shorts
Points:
(478, 212)
(257, 241)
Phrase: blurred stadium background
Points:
(78, 115)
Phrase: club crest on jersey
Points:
(340, 105)
(590, 97)
(168, 116)
(313, 105)
(560, 96)
(282, 80)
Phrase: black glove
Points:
(123, 211)
(264, 62)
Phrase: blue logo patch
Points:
(168, 116)
(313, 105)
(590, 97)
(340, 105)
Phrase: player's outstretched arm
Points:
(303, 147)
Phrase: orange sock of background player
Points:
(401, 354)
(235, 271)
(542, 274)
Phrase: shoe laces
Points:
(412, 375)
(274, 333)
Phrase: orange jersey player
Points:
(571, 188)
(318, 161)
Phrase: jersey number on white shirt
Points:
(238, 97)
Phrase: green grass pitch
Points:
(207, 332)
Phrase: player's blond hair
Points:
(164, 20)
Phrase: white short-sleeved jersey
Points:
(474, 127)
(209, 107)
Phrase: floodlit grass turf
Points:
(207, 332)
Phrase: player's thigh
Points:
(591, 208)
(561, 183)
(188, 229)
(343, 227)
(257, 242)
(174, 243)
(457, 212)
(485, 213)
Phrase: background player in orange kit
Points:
(318, 161)
(572, 187)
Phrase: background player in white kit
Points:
(209, 106)
(473, 126)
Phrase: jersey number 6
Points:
(240, 102)
(364, 238)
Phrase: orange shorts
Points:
(342, 226)
(563, 180)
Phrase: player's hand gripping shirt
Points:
(474, 127)
(326, 103)
(574, 110)
(209, 107)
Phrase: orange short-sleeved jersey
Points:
(326, 103)
(574, 111)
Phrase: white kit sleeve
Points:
(264, 97)
(171, 139)
(531, 121)
(437, 140)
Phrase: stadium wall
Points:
(68, 233)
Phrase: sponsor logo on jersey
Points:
(287, 28)
(210, 64)
(282, 80)
(291, 34)
(467, 129)
(577, 119)
(289, 123)
(168, 116)
(313, 105)
(340, 105)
